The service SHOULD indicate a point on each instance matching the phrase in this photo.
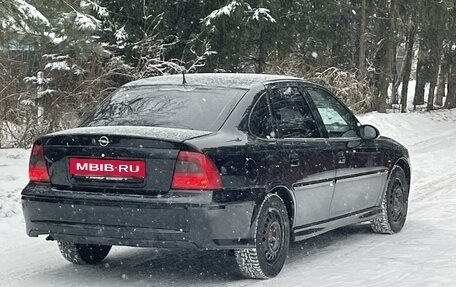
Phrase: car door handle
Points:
(294, 161)
(342, 157)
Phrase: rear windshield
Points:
(193, 108)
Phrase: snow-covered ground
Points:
(423, 254)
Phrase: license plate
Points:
(107, 167)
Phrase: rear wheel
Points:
(272, 236)
(394, 204)
(83, 253)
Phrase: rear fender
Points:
(281, 191)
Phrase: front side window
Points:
(294, 117)
(338, 121)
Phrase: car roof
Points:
(228, 80)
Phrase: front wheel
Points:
(83, 253)
(394, 204)
(272, 239)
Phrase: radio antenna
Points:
(183, 78)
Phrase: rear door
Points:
(307, 164)
(360, 171)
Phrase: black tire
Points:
(272, 239)
(394, 204)
(83, 254)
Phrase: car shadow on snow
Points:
(327, 242)
(145, 266)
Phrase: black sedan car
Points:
(238, 162)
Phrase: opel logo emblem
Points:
(103, 141)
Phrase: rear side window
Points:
(261, 123)
(173, 107)
(294, 117)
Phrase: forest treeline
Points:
(59, 57)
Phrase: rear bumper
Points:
(188, 220)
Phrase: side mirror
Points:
(368, 132)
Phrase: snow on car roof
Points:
(232, 80)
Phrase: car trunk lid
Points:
(120, 159)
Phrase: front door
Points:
(360, 171)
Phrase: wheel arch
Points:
(405, 165)
(288, 199)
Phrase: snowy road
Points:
(423, 254)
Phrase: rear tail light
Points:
(195, 171)
(37, 166)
